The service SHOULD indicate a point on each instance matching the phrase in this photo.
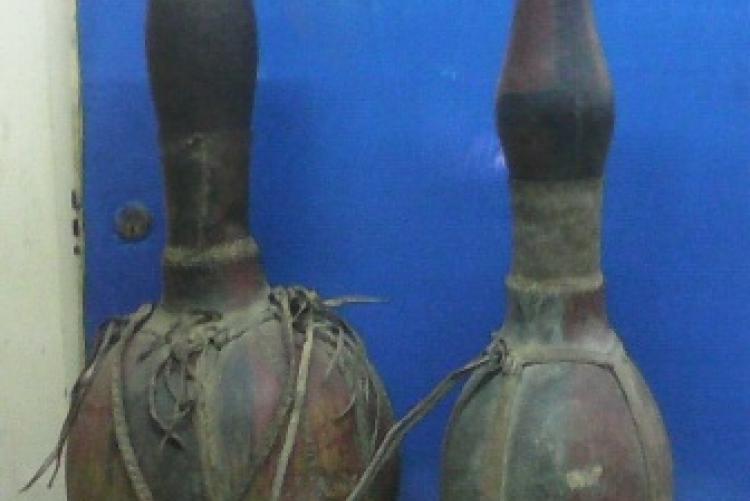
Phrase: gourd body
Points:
(569, 417)
(233, 437)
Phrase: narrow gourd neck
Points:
(555, 115)
(556, 235)
(203, 60)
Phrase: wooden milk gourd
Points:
(568, 417)
(227, 390)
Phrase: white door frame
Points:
(41, 337)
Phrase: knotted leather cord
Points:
(302, 314)
(491, 361)
(285, 402)
(186, 341)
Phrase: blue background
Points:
(377, 171)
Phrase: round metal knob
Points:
(134, 222)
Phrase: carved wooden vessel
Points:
(568, 417)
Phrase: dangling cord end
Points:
(491, 361)
(109, 335)
(294, 420)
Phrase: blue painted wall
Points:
(377, 171)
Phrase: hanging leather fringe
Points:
(109, 336)
(490, 362)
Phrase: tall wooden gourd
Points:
(227, 390)
(569, 417)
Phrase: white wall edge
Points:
(41, 343)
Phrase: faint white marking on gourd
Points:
(584, 478)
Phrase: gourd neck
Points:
(203, 62)
(556, 235)
(555, 115)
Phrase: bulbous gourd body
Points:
(568, 418)
(207, 408)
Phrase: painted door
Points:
(377, 171)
